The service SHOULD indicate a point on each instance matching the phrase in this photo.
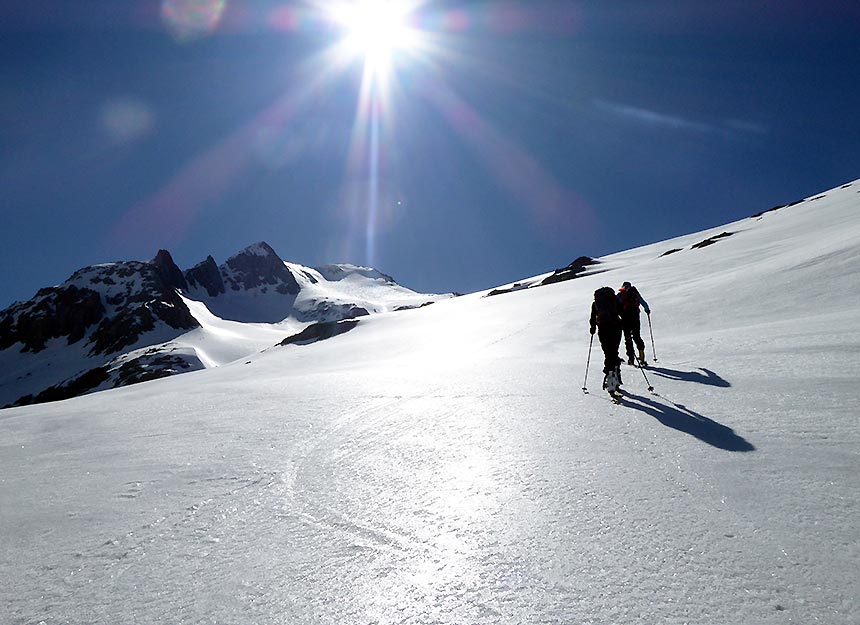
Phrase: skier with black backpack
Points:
(629, 299)
(606, 318)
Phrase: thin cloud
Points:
(653, 118)
(734, 129)
(747, 127)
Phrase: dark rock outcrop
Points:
(258, 266)
(112, 308)
(111, 304)
(320, 331)
(711, 240)
(206, 275)
(424, 305)
(516, 286)
(573, 270)
(331, 311)
(53, 313)
(72, 388)
(170, 274)
(149, 366)
(770, 210)
(126, 327)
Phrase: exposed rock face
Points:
(329, 311)
(122, 300)
(126, 327)
(170, 274)
(148, 366)
(206, 275)
(319, 332)
(78, 386)
(258, 266)
(252, 286)
(119, 318)
(573, 270)
(711, 240)
(53, 313)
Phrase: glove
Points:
(592, 330)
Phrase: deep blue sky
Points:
(540, 131)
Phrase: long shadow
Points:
(709, 377)
(681, 418)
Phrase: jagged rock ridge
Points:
(116, 323)
(111, 305)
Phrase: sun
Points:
(375, 30)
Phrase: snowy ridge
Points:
(256, 249)
(113, 281)
(342, 291)
(344, 271)
(115, 324)
(443, 466)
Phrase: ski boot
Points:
(612, 383)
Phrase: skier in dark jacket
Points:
(606, 318)
(629, 300)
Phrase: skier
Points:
(606, 318)
(629, 300)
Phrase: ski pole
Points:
(650, 388)
(587, 362)
(653, 349)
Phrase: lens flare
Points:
(126, 119)
(403, 49)
(191, 19)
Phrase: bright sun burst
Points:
(379, 33)
(376, 30)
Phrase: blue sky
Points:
(529, 134)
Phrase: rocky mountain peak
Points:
(111, 305)
(206, 275)
(261, 248)
(112, 323)
(168, 271)
(258, 265)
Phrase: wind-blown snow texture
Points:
(442, 465)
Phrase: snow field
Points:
(442, 465)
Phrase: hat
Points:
(626, 285)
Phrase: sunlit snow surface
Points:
(442, 465)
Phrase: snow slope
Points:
(441, 465)
(258, 281)
(326, 294)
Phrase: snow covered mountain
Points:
(121, 323)
(442, 465)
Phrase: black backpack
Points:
(606, 303)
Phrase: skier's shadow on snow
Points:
(681, 418)
(708, 377)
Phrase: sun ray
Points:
(554, 208)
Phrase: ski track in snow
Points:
(443, 466)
